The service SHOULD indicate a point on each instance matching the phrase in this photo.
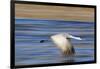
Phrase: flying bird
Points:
(63, 42)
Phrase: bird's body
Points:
(63, 42)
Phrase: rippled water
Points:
(29, 33)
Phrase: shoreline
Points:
(54, 20)
(54, 12)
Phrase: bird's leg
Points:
(68, 52)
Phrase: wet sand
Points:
(54, 12)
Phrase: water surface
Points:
(29, 33)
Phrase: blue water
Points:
(29, 33)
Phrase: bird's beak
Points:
(77, 38)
